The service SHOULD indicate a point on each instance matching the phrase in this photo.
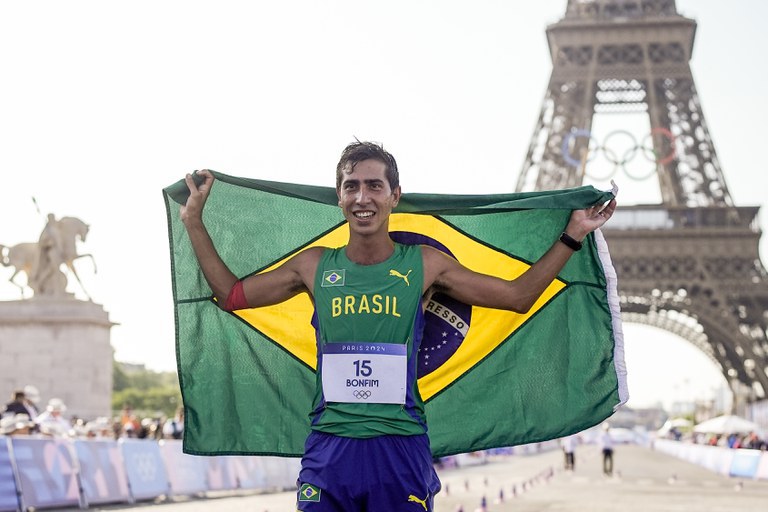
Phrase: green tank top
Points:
(369, 324)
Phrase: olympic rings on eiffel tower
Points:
(629, 154)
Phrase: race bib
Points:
(365, 372)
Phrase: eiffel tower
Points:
(689, 265)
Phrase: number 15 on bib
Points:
(365, 372)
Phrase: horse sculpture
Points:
(41, 261)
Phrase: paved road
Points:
(643, 480)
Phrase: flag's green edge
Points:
(190, 301)
(169, 221)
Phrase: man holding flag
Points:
(368, 448)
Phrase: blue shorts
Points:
(380, 474)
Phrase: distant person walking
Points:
(569, 447)
(606, 445)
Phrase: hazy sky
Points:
(105, 103)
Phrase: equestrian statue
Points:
(42, 261)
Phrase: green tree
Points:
(149, 393)
(120, 379)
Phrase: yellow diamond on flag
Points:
(289, 324)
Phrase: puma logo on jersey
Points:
(401, 276)
(421, 502)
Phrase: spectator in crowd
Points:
(31, 399)
(128, 431)
(151, 428)
(129, 423)
(79, 427)
(18, 424)
(753, 442)
(174, 427)
(52, 422)
(18, 405)
(100, 428)
(156, 430)
(117, 427)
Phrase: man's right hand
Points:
(198, 194)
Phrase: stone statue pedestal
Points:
(61, 346)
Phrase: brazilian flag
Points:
(489, 378)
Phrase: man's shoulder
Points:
(309, 258)
(311, 253)
(432, 256)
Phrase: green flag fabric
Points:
(489, 378)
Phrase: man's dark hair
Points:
(358, 151)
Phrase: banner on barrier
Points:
(144, 467)
(697, 455)
(725, 461)
(63, 472)
(719, 459)
(762, 468)
(221, 476)
(9, 499)
(249, 472)
(186, 473)
(47, 473)
(744, 463)
(102, 471)
(281, 472)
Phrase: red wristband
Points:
(236, 298)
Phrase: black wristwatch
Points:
(571, 242)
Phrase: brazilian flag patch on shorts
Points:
(309, 492)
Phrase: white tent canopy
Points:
(727, 424)
(678, 423)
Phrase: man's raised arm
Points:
(446, 275)
(291, 278)
(216, 272)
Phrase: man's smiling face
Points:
(366, 198)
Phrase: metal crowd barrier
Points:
(40, 472)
